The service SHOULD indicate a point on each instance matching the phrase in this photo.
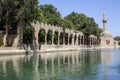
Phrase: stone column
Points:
(95, 41)
(80, 40)
(76, 43)
(90, 41)
(58, 38)
(45, 39)
(73, 40)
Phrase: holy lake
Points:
(69, 65)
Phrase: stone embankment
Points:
(45, 49)
(11, 51)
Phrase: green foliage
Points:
(27, 35)
(76, 21)
(41, 39)
(17, 13)
(27, 10)
(41, 17)
(67, 24)
(49, 11)
(117, 38)
(83, 23)
(12, 12)
(49, 14)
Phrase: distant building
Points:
(107, 41)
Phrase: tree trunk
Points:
(20, 33)
(18, 42)
(5, 36)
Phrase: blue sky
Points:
(92, 8)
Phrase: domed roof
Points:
(106, 34)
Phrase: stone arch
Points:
(66, 38)
(98, 41)
(49, 36)
(28, 35)
(56, 37)
(82, 40)
(90, 41)
(61, 38)
(70, 39)
(75, 39)
(41, 36)
(78, 39)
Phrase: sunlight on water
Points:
(71, 65)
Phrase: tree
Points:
(16, 14)
(50, 14)
(78, 20)
(117, 38)
(41, 17)
(6, 14)
(67, 24)
(27, 12)
(83, 23)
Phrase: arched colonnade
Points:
(54, 35)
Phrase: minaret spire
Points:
(104, 22)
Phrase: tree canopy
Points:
(76, 21)
(117, 38)
(14, 12)
(83, 23)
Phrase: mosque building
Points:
(107, 41)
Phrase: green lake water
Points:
(70, 65)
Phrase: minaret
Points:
(104, 22)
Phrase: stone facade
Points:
(73, 38)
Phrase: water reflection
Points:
(110, 63)
(72, 65)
